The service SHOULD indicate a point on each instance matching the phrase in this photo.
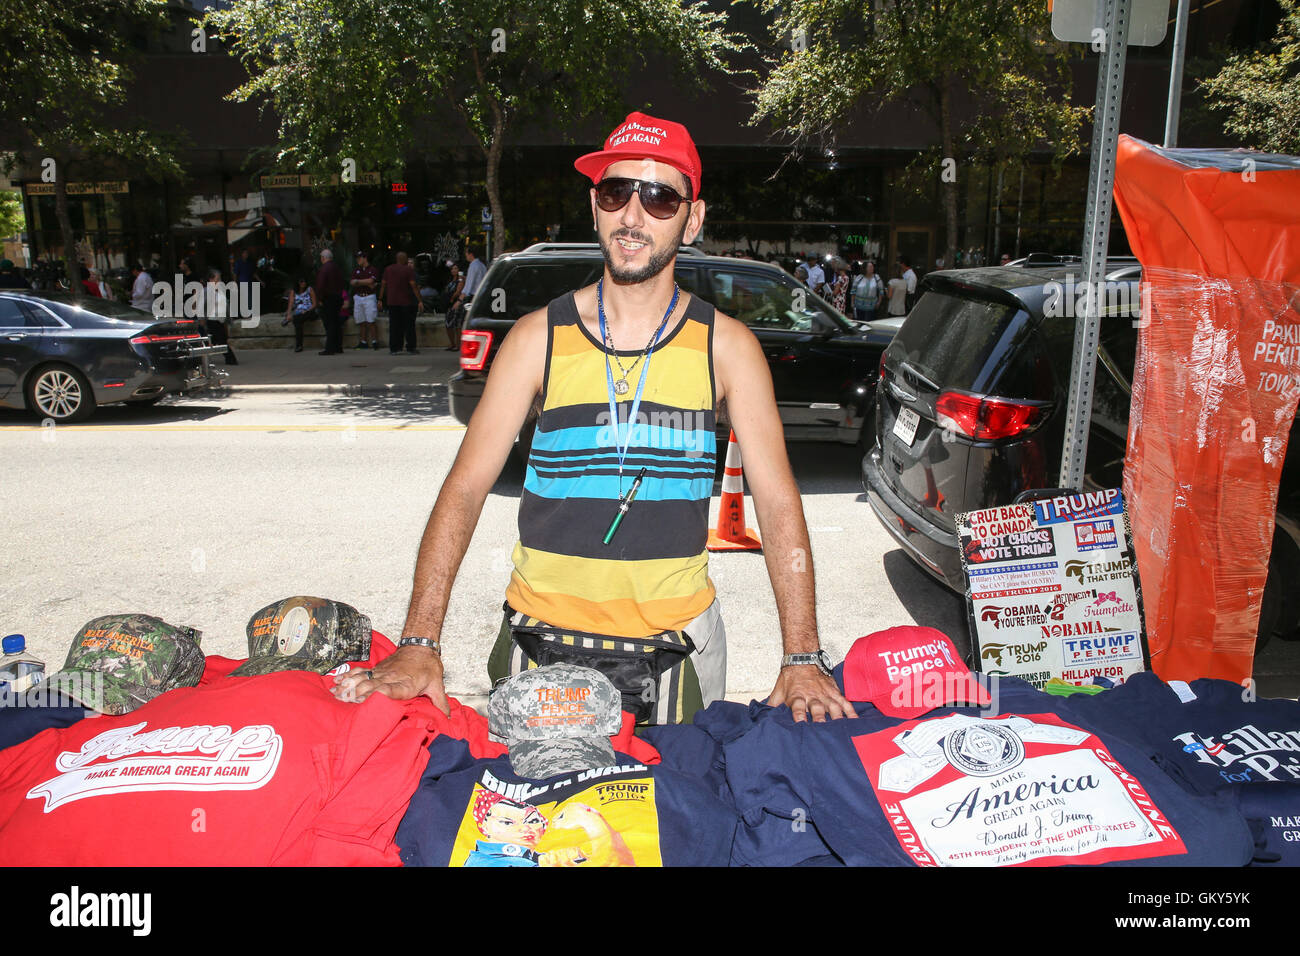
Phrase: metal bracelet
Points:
(423, 642)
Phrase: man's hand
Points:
(808, 691)
(411, 671)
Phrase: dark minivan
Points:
(971, 412)
(823, 366)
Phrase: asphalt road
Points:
(202, 511)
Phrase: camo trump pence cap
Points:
(304, 634)
(556, 719)
(641, 136)
(908, 671)
(119, 662)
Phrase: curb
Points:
(403, 388)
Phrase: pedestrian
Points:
(455, 309)
(365, 307)
(329, 298)
(141, 289)
(816, 276)
(599, 573)
(839, 287)
(473, 275)
(302, 309)
(96, 286)
(898, 292)
(216, 312)
(1005, 260)
(11, 278)
(801, 273)
(909, 276)
(867, 293)
(400, 292)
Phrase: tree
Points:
(365, 80)
(844, 54)
(1260, 90)
(65, 71)
(11, 214)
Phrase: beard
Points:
(659, 258)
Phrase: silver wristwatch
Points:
(818, 659)
(423, 642)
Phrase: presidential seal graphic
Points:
(983, 750)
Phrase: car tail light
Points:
(149, 339)
(881, 373)
(983, 418)
(474, 348)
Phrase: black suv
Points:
(971, 413)
(824, 367)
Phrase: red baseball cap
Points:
(642, 136)
(908, 671)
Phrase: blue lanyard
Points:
(622, 448)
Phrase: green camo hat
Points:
(304, 634)
(122, 661)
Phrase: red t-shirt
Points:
(397, 285)
(246, 771)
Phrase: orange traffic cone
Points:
(731, 533)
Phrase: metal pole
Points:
(1101, 182)
(1176, 75)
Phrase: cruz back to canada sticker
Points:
(1052, 589)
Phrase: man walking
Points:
(614, 515)
(473, 276)
(909, 277)
(329, 293)
(401, 294)
(141, 289)
(365, 309)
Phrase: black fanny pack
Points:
(640, 667)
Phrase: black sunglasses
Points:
(658, 199)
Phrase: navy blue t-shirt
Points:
(469, 812)
(1029, 786)
(18, 724)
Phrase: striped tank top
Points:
(653, 576)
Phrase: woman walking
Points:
(867, 293)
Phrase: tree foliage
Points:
(844, 55)
(1260, 90)
(375, 80)
(65, 75)
(12, 221)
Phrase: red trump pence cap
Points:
(646, 137)
(908, 671)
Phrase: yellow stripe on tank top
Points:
(676, 373)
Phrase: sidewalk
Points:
(268, 363)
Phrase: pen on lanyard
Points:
(623, 506)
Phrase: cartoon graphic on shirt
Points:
(590, 819)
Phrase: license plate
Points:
(905, 426)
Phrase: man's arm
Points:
(746, 383)
(513, 383)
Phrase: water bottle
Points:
(20, 670)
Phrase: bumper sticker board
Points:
(1052, 589)
(1011, 791)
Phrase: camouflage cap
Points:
(304, 634)
(556, 719)
(121, 661)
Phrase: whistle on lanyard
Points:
(624, 504)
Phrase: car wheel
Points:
(60, 393)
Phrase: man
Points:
(401, 293)
(141, 289)
(816, 276)
(650, 576)
(473, 275)
(365, 310)
(10, 278)
(1005, 260)
(329, 293)
(909, 276)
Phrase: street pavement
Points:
(202, 510)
